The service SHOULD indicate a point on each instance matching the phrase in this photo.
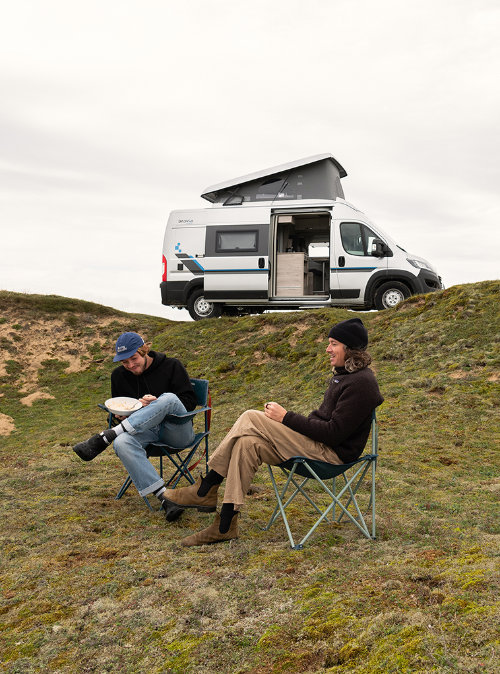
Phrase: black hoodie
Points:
(164, 375)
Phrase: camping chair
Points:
(174, 454)
(316, 473)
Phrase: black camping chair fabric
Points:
(180, 458)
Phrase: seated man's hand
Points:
(147, 399)
(274, 411)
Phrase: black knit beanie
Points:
(352, 333)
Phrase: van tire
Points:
(390, 294)
(200, 308)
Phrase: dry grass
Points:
(91, 584)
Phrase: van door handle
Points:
(262, 263)
(341, 261)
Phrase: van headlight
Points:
(419, 264)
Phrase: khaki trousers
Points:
(255, 439)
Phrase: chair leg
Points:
(280, 508)
(349, 489)
(360, 522)
(181, 470)
(374, 534)
(123, 488)
(146, 501)
(334, 509)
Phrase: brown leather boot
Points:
(211, 534)
(187, 497)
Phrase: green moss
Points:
(457, 605)
(325, 625)
(177, 654)
(268, 639)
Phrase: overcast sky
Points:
(115, 112)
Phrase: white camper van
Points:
(285, 238)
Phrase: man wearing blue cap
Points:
(162, 386)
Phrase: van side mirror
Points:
(380, 248)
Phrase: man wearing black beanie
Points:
(336, 432)
(352, 333)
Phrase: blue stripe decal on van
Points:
(236, 271)
(195, 261)
(191, 264)
(352, 268)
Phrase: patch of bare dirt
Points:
(37, 395)
(492, 485)
(299, 329)
(405, 306)
(31, 342)
(267, 329)
(458, 374)
(6, 424)
(263, 329)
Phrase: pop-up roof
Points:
(316, 177)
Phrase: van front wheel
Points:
(199, 307)
(390, 294)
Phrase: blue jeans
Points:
(149, 425)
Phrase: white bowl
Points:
(123, 406)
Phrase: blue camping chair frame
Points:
(173, 454)
(344, 499)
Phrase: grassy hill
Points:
(91, 584)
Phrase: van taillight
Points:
(164, 268)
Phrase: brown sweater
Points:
(343, 420)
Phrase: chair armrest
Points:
(184, 418)
(111, 416)
(207, 408)
(180, 418)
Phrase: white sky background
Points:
(115, 112)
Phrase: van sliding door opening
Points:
(301, 256)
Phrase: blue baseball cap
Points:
(126, 345)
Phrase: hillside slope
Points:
(93, 585)
(38, 329)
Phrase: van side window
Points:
(230, 242)
(269, 189)
(357, 238)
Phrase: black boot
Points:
(172, 510)
(91, 448)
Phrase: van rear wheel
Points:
(390, 294)
(199, 307)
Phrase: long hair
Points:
(144, 349)
(356, 359)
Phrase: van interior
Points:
(302, 263)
